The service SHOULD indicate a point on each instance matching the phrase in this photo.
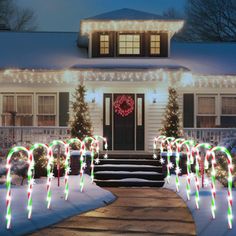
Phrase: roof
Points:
(127, 14)
(45, 50)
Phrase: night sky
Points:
(65, 15)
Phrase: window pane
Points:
(24, 104)
(155, 44)
(206, 121)
(229, 105)
(129, 44)
(206, 105)
(104, 44)
(46, 120)
(228, 121)
(8, 104)
(46, 105)
(24, 120)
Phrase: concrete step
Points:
(129, 161)
(130, 168)
(129, 183)
(106, 175)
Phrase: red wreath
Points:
(124, 105)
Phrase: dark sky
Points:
(65, 15)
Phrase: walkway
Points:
(137, 211)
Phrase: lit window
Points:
(129, 44)
(228, 112)
(155, 44)
(206, 112)
(17, 110)
(46, 110)
(104, 44)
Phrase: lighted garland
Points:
(177, 159)
(211, 153)
(120, 101)
(8, 180)
(188, 144)
(155, 142)
(196, 150)
(169, 165)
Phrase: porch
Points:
(23, 135)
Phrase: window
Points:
(129, 44)
(46, 110)
(228, 112)
(206, 112)
(155, 44)
(104, 44)
(17, 110)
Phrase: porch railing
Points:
(211, 135)
(10, 135)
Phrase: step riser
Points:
(129, 162)
(130, 184)
(124, 176)
(131, 169)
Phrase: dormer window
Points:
(155, 44)
(104, 44)
(129, 44)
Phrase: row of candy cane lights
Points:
(193, 156)
(91, 144)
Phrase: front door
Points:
(124, 121)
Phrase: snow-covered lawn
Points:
(92, 197)
(205, 225)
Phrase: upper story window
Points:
(228, 111)
(155, 44)
(104, 44)
(129, 44)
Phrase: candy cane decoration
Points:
(30, 174)
(188, 144)
(50, 169)
(211, 153)
(97, 137)
(169, 165)
(196, 150)
(155, 141)
(8, 180)
(92, 148)
(177, 159)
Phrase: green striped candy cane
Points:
(104, 140)
(30, 174)
(211, 153)
(189, 145)
(196, 153)
(177, 159)
(50, 169)
(169, 165)
(82, 146)
(157, 140)
(8, 180)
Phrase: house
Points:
(127, 61)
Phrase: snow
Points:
(47, 50)
(92, 197)
(126, 14)
(205, 225)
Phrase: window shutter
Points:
(188, 116)
(63, 109)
